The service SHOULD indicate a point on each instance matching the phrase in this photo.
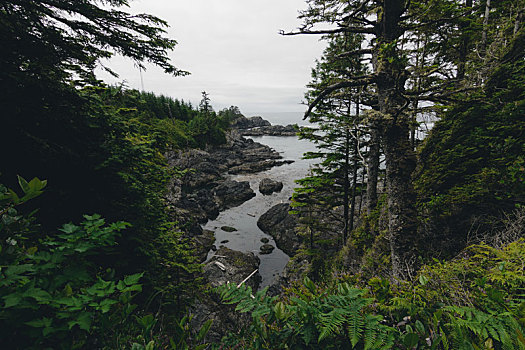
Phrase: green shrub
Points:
(52, 293)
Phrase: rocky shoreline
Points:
(205, 189)
(257, 126)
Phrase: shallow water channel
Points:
(244, 218)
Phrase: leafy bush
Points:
(53, 294)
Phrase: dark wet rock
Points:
(228, 229)
(214, 247)
(225, 266)
(257, 166)
(201, 175)
(279, 224)
(265, 240)
(241, 122)
(266, 249)
(268, 186)
(233, 193)
(225, 241)
(206, 203)
(233, 266)
(272, 130)
(203, 243)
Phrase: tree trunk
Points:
(361, 192)
(519, 20)
(463, 49)
(354, 183)
(354, 175)
(372, 169)
(485, 28)
(400, 163)
(346, 184)
(400, 158)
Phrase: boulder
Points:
(228, 265)
(268, 186)
(266, 249)
(233, 193)
(206, 202)
(279, 224)
(228, 229)
(203, 243)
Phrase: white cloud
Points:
(234, 52)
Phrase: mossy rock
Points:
(228, 229)
(265, 240)
(266, 249)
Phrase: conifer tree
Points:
(391, 30)
(337, 135)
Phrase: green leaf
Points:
(105, 305)
(121, 285)
(423, 280)
(309, 284)
(14, 197)
(204, 330)
(23, 184)
(133, 279)
(36, 184)
(69, 228)
(12, 300)
(410, 340)
(14, 271)
(420, 328)
(150, 345)
(279, 310)
(83, 321)
(41, 323)
(38, 294)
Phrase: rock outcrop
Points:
(268, 186)
(257, 126)
(231, 193)
(272, 130)
(241, 122)
(279, 224)
(203, 190)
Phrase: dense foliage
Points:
(472, 302)
(102, 150)
(54, 293)
(465, 60)
(472, 168)
(389, 66)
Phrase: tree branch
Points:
(361, 30)
(358, 81)
(355, 53)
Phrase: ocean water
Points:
(244, 218)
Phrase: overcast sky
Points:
(234, 52)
